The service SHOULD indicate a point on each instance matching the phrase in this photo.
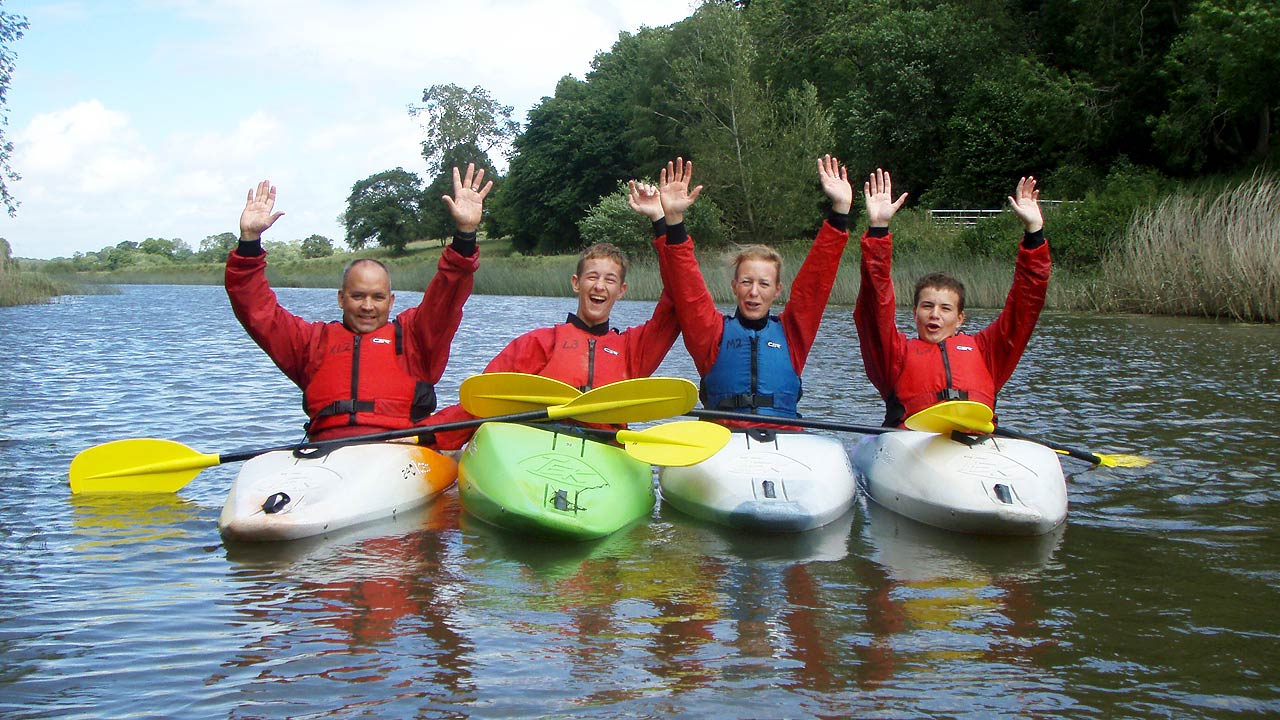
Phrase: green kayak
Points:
(540, 482)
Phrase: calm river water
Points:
(1157, 599)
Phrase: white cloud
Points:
(311, 94)
(85, 146)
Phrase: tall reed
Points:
(19, 287)
(1202, 255)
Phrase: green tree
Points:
(385, 207)
(1008, 124)
(1113, 49)
(455, 117)
(317, 246)
(11, 30)
(579, 143)
(174, 249)
(216, 248)
(913, 66)
(437, 222)
(754, 146)
(1224, 75)
(612, 220)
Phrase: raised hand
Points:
(1026, 203)
(644, 199)
(467, 204)
(835, 183)
(258, 212)
(878, 194)
(673, 189)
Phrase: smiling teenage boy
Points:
(942, 363)
(584, 350)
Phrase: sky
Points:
(133, 119)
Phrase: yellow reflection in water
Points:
(107, 522)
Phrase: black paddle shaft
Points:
(793, 422)
(327, 445)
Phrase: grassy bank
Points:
(920, 247)
(34, 288)
(1206, 254)
(23, 287)
(1211, 252)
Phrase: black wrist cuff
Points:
(249, 248)
(1033, 240)
(838, 220)
(464, 243)
(878, 231)
(677, 233)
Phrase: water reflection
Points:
(105, 525)
(1155, 601)
(374, 604)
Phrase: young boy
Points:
(584, 351)
(942, 363)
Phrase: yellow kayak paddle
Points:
(972, 417)
(148, 465)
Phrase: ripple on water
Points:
(1151, 600)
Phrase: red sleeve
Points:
(452, 439)
(285, 337)
(1003, 341)
(526, 354)
(883, 346)
(430, 327)
(649, 342)
(810, 291)
(699, 320)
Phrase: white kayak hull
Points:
(992, 486)
(781, 482)
(278, 496)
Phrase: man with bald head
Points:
(367, 373)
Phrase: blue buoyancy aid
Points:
(753, 371)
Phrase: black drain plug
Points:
(276, 503)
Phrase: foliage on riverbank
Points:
(1211, 251)
(21, 287)
(1206, 254)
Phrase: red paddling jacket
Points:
(912, 375)
(354, 384)
(582, 356)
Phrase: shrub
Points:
(612, 220)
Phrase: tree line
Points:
(1108, 101)
(160, 252)
(1112, 102)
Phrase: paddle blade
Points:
(490, 394)
(946, 417)
(1121, 460)
(675, 444)
(136, 466)
(628, 401)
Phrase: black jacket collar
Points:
(577, 322)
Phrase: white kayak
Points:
(766, 480)
(278, 496)
(973, 484)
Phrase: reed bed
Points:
(36, 288)
(1214, 256)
